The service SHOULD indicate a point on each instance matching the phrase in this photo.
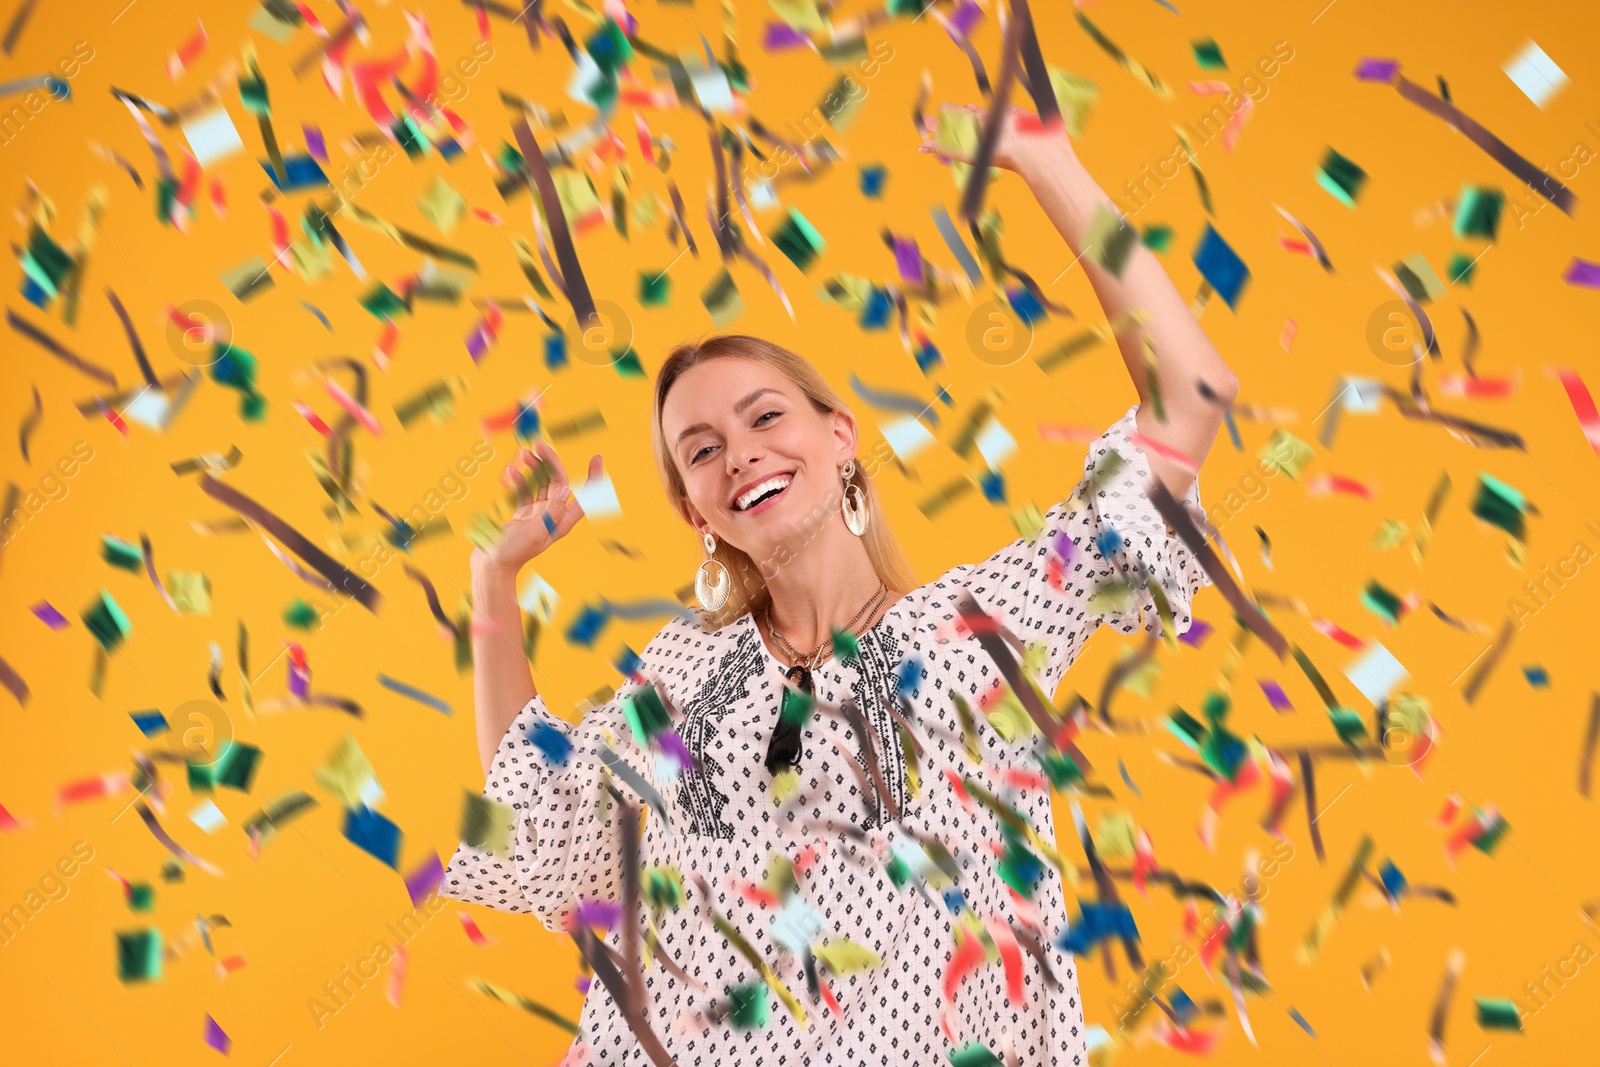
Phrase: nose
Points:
(743, 454)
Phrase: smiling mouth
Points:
(763, 495)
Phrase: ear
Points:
(691, 515)
(844, 435)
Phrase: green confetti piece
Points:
(646, 714)
(1347, 724)
(120, 553)
(236, 766)
(973, 1054)
(627, 364)
(721, 298)
(141, 896)
(1157, 237)
(654, 288)
(845, 646)
(139, 955)
(1498, 1014)
(799, 240)
(1208, 54)
(747, 1005)
(1381, 602)
(107, 621)
(795, 708)
(1419, 279)
(383, 303)
(1478, 212)
(1461, 269)
(1342, 178)
(1500, 505)
(301, 616)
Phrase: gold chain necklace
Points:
(801, 665)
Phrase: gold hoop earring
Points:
(854, 505)
(711, 581)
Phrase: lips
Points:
(758, 495)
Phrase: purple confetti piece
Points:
(583, 984)
(780, 37)
(672, 746)
(477, 344)
(299, 682)
(1275, 695)
(1064, 546)
(908, 259)
(606, 913)
(1199, 630)
(1378, 70)
(315, 145)
(1582, 272)
(423, 882)
(216, 1038)
(50, 616)
(965, 17)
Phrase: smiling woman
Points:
(815, 722)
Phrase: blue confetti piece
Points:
(551, 742)
(414, 693)
(549, 523)
(527, 422)
(628, 660)
(1127, 779)
(150, 723)
(955, 900)
(1108, 542)
(449, 148)
(1098, 922)
(1233, 430)
(34, 293)
(993, 484)
(875, 315)
(587, 626)
(555, 351)
(374, 834)
(928, 357)
(945, 398)
(1026, 305)
(1184, 1007)
(908, 677)
(300, 172)
(1301, 1019)
(1221, 267)
(1536, 677)
(1394, 882)
(872, 179)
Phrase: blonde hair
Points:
(749, 592)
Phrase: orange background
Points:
(313, 903)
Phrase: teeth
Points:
(779, 482)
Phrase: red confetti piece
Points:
(1323, 484)
(1582, 406)
(475, 935)
(313, 418)
(186, 53)
(1337, 633)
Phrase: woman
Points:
(816, 831)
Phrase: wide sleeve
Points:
(1095, 560)
(560, 851)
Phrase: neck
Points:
(822, 586)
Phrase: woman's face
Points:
(756, 457)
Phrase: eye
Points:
(699, 453)
(768, 415)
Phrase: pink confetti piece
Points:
(1166, 452)
(348, 402)
(1290, 328)
(10, 823)
(397, 974)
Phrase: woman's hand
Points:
(1024, 146)
(527, 533)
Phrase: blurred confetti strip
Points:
(517, 1000)
(1591, 739)
(1441, 1008)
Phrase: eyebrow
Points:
(738, 409)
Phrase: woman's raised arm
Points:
(1184, 356)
